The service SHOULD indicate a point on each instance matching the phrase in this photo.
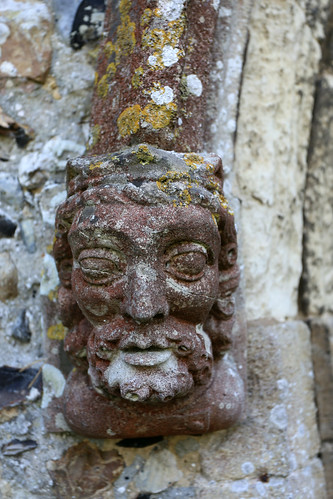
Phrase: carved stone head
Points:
(146, 254)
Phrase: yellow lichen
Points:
(175, 31)
(129, 120)
(125, 38)
(102, 86)
(109, 49)
(111, 69)
(154, 38)
(146, 16)
(56, 332)
(165, 184)
(124, 7)
(136, 78)
(53, 295)
(95, 165)
(193, 160)
(159, 116)
(144, 155)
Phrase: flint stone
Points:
(27, 227)
(25, 24)
(49, 199)
(21, 329)
(160, 471)
(10, 191)
(7, 226)
(8, 277)
(85, 470)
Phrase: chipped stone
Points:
(53, 384)
(160, 471)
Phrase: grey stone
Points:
(160, 471)
(8, 277)
(174, 492)
(10, 191)
(21, 330)
(187, 445)
(7, 226)
(27, 227)
(64, 15)
(126, 477)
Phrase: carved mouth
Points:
(152, 356)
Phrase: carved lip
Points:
(152, 356)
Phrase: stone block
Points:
(271, 150)
(317, 279)
(279, 436)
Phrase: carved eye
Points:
(187, 261)
(101, 266)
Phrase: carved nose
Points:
(145, 298)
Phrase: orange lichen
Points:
(128, 121)
(136, 78)
(56, 332)
(159, 116)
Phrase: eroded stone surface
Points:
(146, 253)
(280, 435)
(317, 278)
(271, 150)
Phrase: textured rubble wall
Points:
(265, 66)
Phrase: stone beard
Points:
(146, 254)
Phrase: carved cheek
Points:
(193, 301)
(96, 302)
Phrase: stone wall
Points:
(276, 152)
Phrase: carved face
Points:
(146, 278)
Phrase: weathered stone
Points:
(317, 278)
(152, 75)
(27, 227)
(32, 171)
(8, 277)
(85, 470)
(16, 447)
(123, 482)
(17, 385)
(138, 335)
(49, 199)
(279, 435)
(271, 152)
(25, 24)
(306, 482)
(174, 492)
(7, 226)
(322, 335)
(10, 191)
(160, 471)
(21, 329)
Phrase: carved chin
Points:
(158, 378)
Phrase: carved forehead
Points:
(148, 175)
